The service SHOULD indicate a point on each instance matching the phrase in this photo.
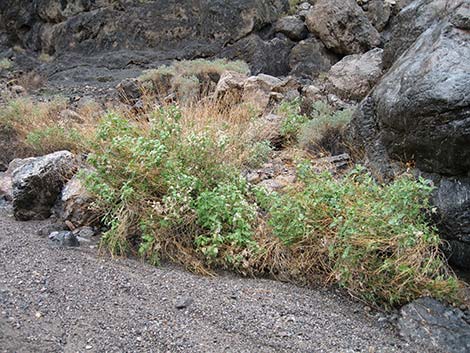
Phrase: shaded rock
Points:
(183, 302)
(293, 27)
(74, 204)
(63, 239)
(452, 199)
(432, 324)
(269, 57)
(129, 90)
(378, 12)
(6, 187)
(309, 58)
(50, 228)
(411, 22)
(37, 184)
(355, 75)
(342, 26)
(267, 128)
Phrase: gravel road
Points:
(73, 300)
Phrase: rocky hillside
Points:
(325, 141)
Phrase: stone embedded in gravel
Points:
(63, 239)
(183, 302)
(37, 184)
(431, 323)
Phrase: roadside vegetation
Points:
(168, 183)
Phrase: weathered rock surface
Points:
(264, 56)
(432, 324)
(411, 22)
(74, 204)
(420, 111)
(93, 39)
(309, 58)
(37, 184)
(378, 12)
(355, 75)
(293, 27)
(342, 26)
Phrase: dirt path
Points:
(56, 300)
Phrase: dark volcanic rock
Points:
(293, 27)
(38, 183)
(342, 26)
(420, 111)
(310, 57)
(432, 324)
(411, 22)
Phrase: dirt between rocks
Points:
(75, 300)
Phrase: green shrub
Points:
(325, 129)
(166, 192)
(373, 240)
(293, 120)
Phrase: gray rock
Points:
(355, 75)
(63, 239)
(378, 12)
(183, 302)
(434, 325)
(411, 22)
(292, 27)
(37, 184)
(309, 58)
(50, 228)
(74, 203)
(342, 26)
(129, 90)
(263, 56)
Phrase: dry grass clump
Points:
(42, 127)
(189, 80)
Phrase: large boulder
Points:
(292, 26)
(37, 184)
(263, 56)
(342, 26)
(434, 325)
(420, 112)
(378, 12)
(309, 58)
(355, 75)
(411, 22)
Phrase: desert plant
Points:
(372, 239)
(189, 79)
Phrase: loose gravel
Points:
(74, 300)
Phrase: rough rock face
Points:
(38, 183)
(264, 56)
(309, 58)
(121, 34)
(378, 12)
(411, 22)
(355, 75)
(292, 26)
(342, 26)
(420, 111)
(74, 204)
(428, 322)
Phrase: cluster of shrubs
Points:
(168, 183)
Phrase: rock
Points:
(68, 117)
(452, 199)
(428, 322)
(267, 128)
(129, 90)
(378, 12)
(420, 112)
(85, 232)
(342, 26)
(309, 58)
(183, 302)
(37, 184)
(63, 239)
(74, 204)
(18, 90)
(269, 57)
(230, 86)
(6, 188)
(50, 228)
(293, 27)
(355, 75)
(411, 22)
